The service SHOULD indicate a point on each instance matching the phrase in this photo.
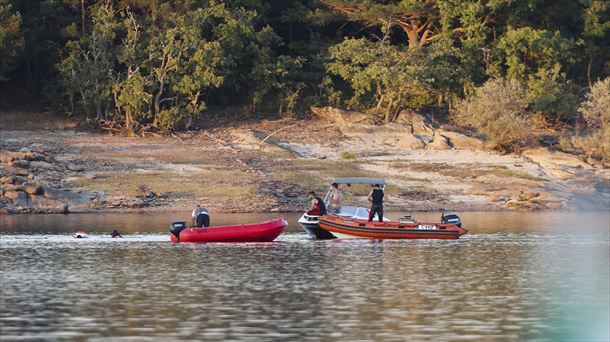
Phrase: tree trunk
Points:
(98, 111)
(397, 110)
(128, 119)
(589, 71)
(82, 16)
(71, 100)
(413, 39)
(379, 104)
(388, 110)
(157, 105)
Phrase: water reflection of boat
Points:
(341, 227)
(310, 223)
(255, 232)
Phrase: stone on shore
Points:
(460, 141)
(66, 196)
(42, 165)
(418, 123)
(17, 197)
(20, 163)
(33, 189)
(7, 180)
(439, 142)
(75, 168)
(408, 142)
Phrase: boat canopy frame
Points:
(353, 180)
(359, 180)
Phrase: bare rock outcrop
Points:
(26, 183)
(558, 164)
(390, 134)
(418, 123)
(461, 141)
(439, 142)
(409, 142)
(339, 116)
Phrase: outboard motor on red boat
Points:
(451, 219)
(176, 227)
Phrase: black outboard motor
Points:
(176, 227)
(451, 219)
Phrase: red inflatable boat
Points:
(255, 232)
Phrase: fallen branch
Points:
(260, 145)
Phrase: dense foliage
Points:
(497, 109)
(164, 62)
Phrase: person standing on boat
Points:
(317, 207)
(376, 197)
(336, 198)
(200, 217)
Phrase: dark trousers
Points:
(376, 208)
(203, 220)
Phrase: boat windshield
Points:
(348, 211)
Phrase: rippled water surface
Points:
(514, 276)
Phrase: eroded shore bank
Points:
(231, 169)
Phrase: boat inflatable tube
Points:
(253, 232)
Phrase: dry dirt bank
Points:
(227, 170)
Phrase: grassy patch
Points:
(466, 172)
(347, 155)
(375, 154)
(278, 154)
(330, 168)
(222, 184)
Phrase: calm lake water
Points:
(513, 277)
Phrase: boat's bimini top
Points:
(359, 213)
(359, 180)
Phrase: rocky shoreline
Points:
(31, 183)
(233, 168)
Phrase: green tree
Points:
(87, 68)
(497, 109)
(11, 42)
(388, 77)
(199, 66)
(596, 17)
(538, 60)
(416, 18)
(596, 111)
(131, 88)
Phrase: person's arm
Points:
(370, 198)
(385, 197)
(313, 205)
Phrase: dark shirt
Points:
(377, 196)
(321, 207)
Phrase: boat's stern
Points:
(311, 225)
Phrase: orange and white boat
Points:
(349, 228)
